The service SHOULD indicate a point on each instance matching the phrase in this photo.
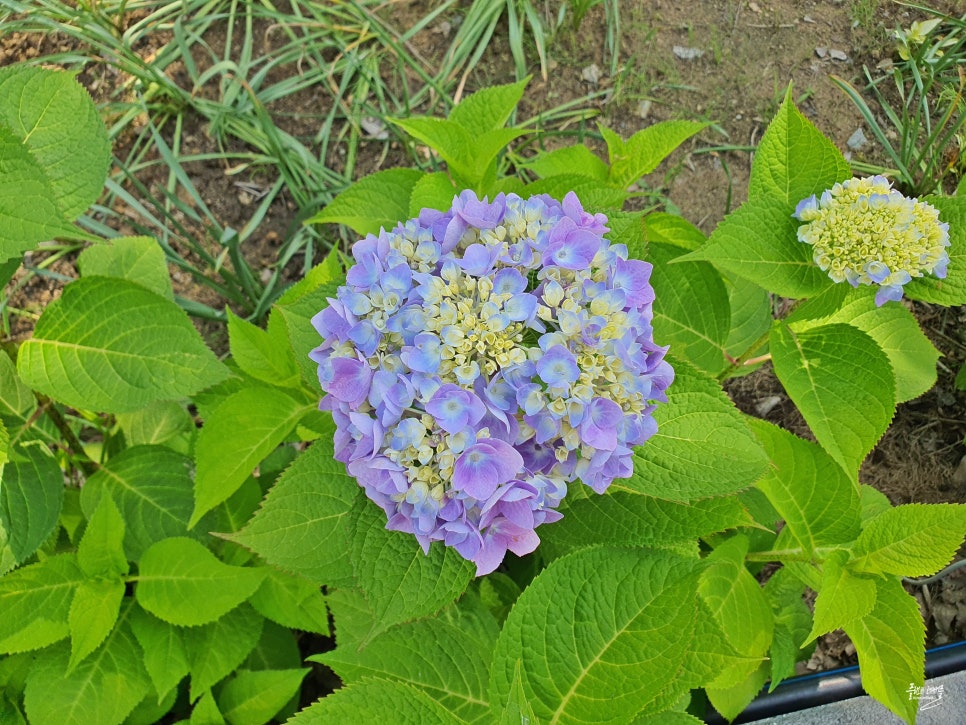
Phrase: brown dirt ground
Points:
(746, 53)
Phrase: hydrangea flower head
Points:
(862, 231)
(478, 361)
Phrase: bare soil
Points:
(725, 61)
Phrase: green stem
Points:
(74, 447)
(747, 357)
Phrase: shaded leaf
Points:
(251, 697)
(216, 649)
(31, 498)
(236, 436)
(152, 488)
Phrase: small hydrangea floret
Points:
(478, 361)
(863, 231)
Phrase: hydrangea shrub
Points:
(174, 526)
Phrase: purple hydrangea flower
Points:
(479, 360)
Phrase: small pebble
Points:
(821, 51)
(685, 53)
(837, 54)
(857, 140)
(591, 74)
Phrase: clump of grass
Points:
(167, 73)
(922, 128)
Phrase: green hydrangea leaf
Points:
(277, 649)
(35, 602)
(157, 423)
(751, 316)
(28, 212)
(255, 696)
(216, 649)
(102, 689)
(732, 700)
(630, 519)
(591, 193)
(489, 108)
(671, 229)
(910, 540)
(329, 271)
(49, 111)
(236, 436)
(817, 500)
(576, 159)
(100, 552)
(843, 598)
(205, 711)
(138, 259)
(111, 345)
(16, 400)
(292, 601)
(376, 201)
(702, 448)
(794, 160)
(152, 488)
(181, 582)
(735, 599)
(757, 242)
(645, 150)
(151, 710)
(93, 613)
(165, 656)
(302, 524)
(874, 502)
(432, 191)
(31, 498)
(668, 717)
(895, 329)
(793, 621)
(469, 154)
(10, 711)
(446, 656)
(303, 337)
(517, 708)
(400, 581)
(697, 332)
(263, 354)
(890, 642)
(374, 700)
(842, 383)
(950, 291)
(579, 666)
(711, 660)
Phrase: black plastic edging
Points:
(821, 688)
